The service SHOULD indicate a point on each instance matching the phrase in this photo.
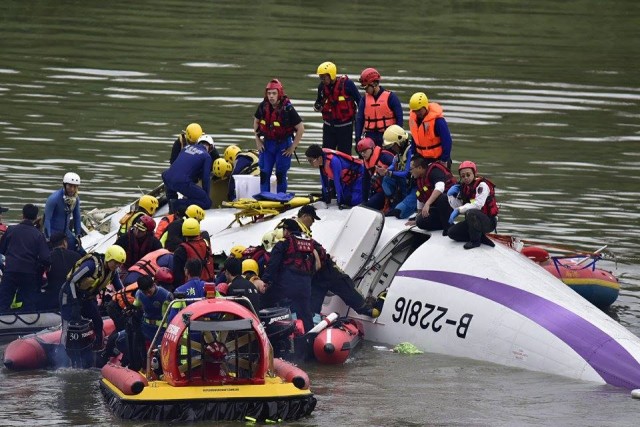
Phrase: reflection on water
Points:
(546, 108)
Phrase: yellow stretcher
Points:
(259, 209)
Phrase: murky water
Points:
(544, 97)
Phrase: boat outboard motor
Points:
(78, 339)
(279, 325)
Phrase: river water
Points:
(543, 96)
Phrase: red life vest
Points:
(426, 187)
(348, 175)
(255, 253)
(198, 249)
(337, 105)
(136, 248)
(377, 114)
(148, 265)
(468, 192)
(428, 145)
(272, 124)
(163, 224)
(299, 256)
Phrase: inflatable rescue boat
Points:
(14, 324)
(216, 364)
(599, 287)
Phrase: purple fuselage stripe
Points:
(605, 355)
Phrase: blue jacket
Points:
(56, 216)
(154, 305)
(194, 288)
(193, 163)
(405, 173)
(348, 184)
(25, 249)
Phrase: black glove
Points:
(326, 197)
(76, 312)
(317, 106)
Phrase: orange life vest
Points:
(163, 224)
(490, 207)
(337, 105)
(426, 187)
(370, 165)
(377, 114)
(428, 145)
(148, 264)
(125, 297)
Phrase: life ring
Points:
(535, 254)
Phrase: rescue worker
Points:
(173, 236)
(337, 100)
(91, 274)
(260, 253)
(239, 286)
(62, 261)
(245, 162)
(194, 247)
(329, 278)
(193, 287)
(62, 211)
(193, 163)
(251, 272)
(341, 175)
(306, 217)
(429, 129)
(147, 205)
(139, 241)
(27, 257)
(374, 157)
(474, 197)
(149, 265)
(188, 136)
(166, 220)
(154, 301)
(209, 140)
(433, 180)
(378, 108)
(275, 123)
(397, 184)
(288, 274)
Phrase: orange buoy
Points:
(127, 381)
(291, 373)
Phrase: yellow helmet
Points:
(195, 212)
(231, 152)
(190, 227)
(115, 253)
(395, 135)
(221, 167)
(250, 265)
(149, 204)
(237, 251)
(193, 133)
(418, 100)
(328, 68)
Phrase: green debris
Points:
(406, 348)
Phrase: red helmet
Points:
(468, 164)
(368, 76)
(223, 288)
(275, 84)
(164, 275)
(365, 144)
(148, 222)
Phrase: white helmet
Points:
(206, 138)
(71, 178)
